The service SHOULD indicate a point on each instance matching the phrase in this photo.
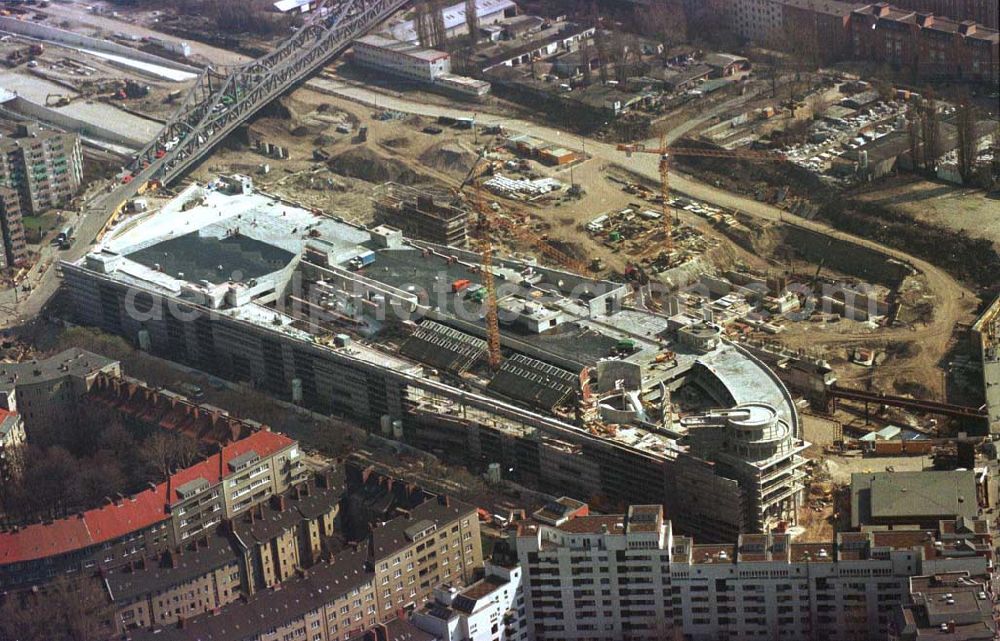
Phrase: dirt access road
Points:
(953, 302)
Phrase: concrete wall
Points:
(45, 32)
(36, 111)
(845, 257)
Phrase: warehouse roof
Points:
(408, 49)
(929, 494)
(454, 16)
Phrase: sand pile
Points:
(365, 164)
(448, 156)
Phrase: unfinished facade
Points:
(418, 215)
(595, 398)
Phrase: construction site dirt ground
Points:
(397, 150)
(943, 204)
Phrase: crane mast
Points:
(665, 152)
(494, 356)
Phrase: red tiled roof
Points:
(112, 521)
(37, 541)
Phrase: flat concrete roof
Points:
(254, 233)
(922, 496)
(213, 259)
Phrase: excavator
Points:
(59, 100)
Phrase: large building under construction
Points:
(594, 397)
(419, 215)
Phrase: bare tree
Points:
(618, 53)
(439, 35)
(966, 130)
(601, 45)
(585, 61)
(931, 134)
(65, 610)
(472, 21)
(993, 181)
(166, 451)
(664, 21)
(421, 20)
(914, 121)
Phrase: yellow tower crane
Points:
(486, 252)
(665, 152)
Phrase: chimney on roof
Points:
(222, 473)
(925, 19)
(881, 9)
(967, 27)
(278, 502)
(170, 485)
(444, 500)
(181, 622)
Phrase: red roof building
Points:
(145, 517)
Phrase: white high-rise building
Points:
(628, 577)
(492, 608)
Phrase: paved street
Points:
(42, 277)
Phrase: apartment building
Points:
(629, 577)
(47, 392)
(15, 250)
(332, 601)
(266, 545)
(822, 28)
(935, 47)
(44, 166)
(757, 20)
(432, 543)
(12, 440)
(960, 44)
(489, 609)
(365, 585)
(176, 584)
(249, 472)
(985, 12)
(289, 532)
(951, 606)
(187, 506)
